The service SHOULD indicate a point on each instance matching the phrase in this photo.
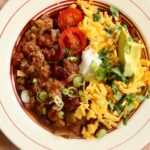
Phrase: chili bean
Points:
(72, 104)
(61, 73)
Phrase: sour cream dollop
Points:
(88, 56)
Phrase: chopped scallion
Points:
(70, 92)
(125, 120)
(114, 11)
(117, 29)
(34, 81)
(96, 17)
(73, 59)
(42, 96)
(60, 114)
(65, 91)
(125, 26)
(67, 52)
(111, 105)
(59, 103)
(108, 35)
(78, 81)
(44, 111)
(101, 133)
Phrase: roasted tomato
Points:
(69, 17)
(74, 39)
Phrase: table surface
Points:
(5, 144)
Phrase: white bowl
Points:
(25, 132)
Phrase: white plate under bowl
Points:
(20, 128)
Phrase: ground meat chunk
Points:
(47, 53)
(45, 71)
(72, 104)
(29, 47)
(60, 73)
(54, 34)
(17, 57)
(54, 86)
(45, 21)
(71, 67)
(37, 58)
(44, 41)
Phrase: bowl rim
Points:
(1, 36)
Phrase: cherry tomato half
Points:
(69, 17)
(74, 39)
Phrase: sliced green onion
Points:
(78, 81)
(130, 108)
(67, 52)
(96, 17)
(125, 120)
(108, 35)
(72, 91)
(101, 133)
(114, 11)
(42, 96)
(107, 27)
(65, 91)
(111, 105)
(117, 93)
(44, 111)
(50, 95)
(94, 66)
(141, 98)
(58, 101)
(61, 114)
(125, 26)
(34, 81)
(148, 92)
(117, 29)
(73, 59)
(118, 109)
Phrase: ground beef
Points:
(46, 68)
(54, 86)
(71, 67)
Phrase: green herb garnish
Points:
(111, 105)
(117, 93)
(61, 114)
(96, 17)
(108, 35)
(114, 11)
(44, 111)
(117, 29)
(67, 52)
(125, 120)
(119, 73)
(130, 97)
(34, 81)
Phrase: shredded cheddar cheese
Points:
(95, 30)
(95, 98)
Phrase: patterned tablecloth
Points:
(5, 144)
